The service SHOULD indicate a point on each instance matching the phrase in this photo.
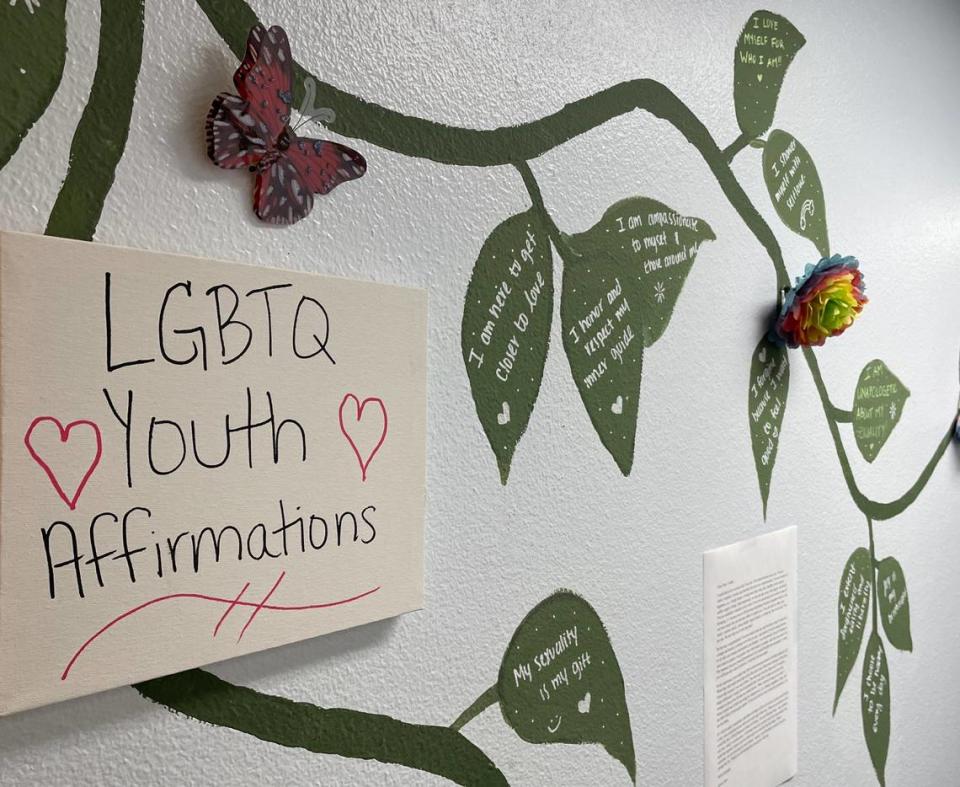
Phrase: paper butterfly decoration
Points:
(252, 130)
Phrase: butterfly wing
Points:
(284, 190)
(232, 139)
(280, 196)
(324, 165)
(265, 79)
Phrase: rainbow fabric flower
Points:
(824, 302)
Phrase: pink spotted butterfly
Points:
(252, 130)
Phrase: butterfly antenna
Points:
(323, 115)
(303, 119)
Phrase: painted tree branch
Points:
(419, 138)
(101, 134)
(349, 733)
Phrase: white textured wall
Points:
(873, 97)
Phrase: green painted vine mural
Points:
(620, 282)
(35, 50)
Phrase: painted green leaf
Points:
(795, 189)
(506, 330)
(654, 243)
(853, 605)
(894, 603)
(560, 681)
(34, 45)
(766, 47)
(766, 403)
(877, 405)
(875, 704)
(600, 316)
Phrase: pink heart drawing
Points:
(359, 408)
(64, 436)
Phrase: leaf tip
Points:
(836, 694)
(627, 759)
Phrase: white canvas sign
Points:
(199, 460)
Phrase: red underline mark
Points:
(230, 609)
(231, 602)
(256, 610)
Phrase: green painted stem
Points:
(871, 508)
(349, 733)
(873, 577)
(536, 198)
(479, 705)
(731, 150)
(507, 145)
(101, 134)
(838, 415)
(563, 248)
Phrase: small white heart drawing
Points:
(584, 705)
(503, 418)
(759, 77)
(762, 355)
(617, 407)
